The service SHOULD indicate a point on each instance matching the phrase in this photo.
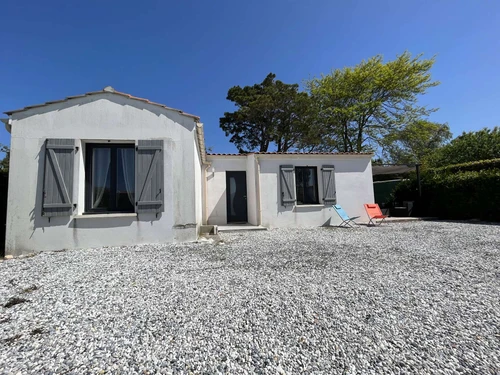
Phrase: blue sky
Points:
(187, 54)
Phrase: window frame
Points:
(89, 147)
(316, 186)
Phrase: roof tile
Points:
(292, 153)
(107, 90)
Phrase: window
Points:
(110, 178)
(306, 183)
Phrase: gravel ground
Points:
(415, 297)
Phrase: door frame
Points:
(229, 218)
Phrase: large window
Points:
(110, 177)
(306, 183)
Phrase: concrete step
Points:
(239, 228)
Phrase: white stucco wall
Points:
(252, 190)
(216, 186)
(99, 118)
(353, 181)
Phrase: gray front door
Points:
(236, 196)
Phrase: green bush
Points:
(459, 195)
(472, 146)
(406, 190)
(471, 166)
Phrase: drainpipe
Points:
(257, 180)
(203, 154)
(205, 203)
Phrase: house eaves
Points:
(200, 136)
(7, 123)
(108, 90)
(297, 154)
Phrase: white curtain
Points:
(100, 170)
(127, 158)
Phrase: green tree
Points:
(4, 163)
(358, 106)
(472, 146)
(414, 141)
(268, 112)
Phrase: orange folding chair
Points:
(373, 211)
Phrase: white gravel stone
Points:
(405, 298)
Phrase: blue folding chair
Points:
(346, 219)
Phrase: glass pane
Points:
(232, 192)
(310, 186)
(306, 185)
(299, 184)
(101, 177)
(125, 179)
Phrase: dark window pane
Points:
(101, 177)
(306, 183)
(110, 178)
(299, 185)
(232, 193)
(125, 178)
(310, 193)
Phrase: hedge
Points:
(471, 166)
(459, 195)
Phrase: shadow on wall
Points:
(102, 222)
(186, 122)
(114, 222)
(149, 217)
(308, 208)
(219, 211)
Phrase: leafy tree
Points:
(359, 106)
(4, 163)
(472, 146)
(268, 112)
(414, 141)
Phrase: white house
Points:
(286, 189)
(108, 169)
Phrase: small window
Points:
(306, 183)
(110, 178)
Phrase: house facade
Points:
(110, 169)
(286, 190)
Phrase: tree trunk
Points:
(359, 139)
(345, 137)
(279, 146)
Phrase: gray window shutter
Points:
(57, 199)
(149, 176)
(329, 192)
(287, 187)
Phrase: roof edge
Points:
(200, 136)
(106, 90)
(294, 154)
(7, 123)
